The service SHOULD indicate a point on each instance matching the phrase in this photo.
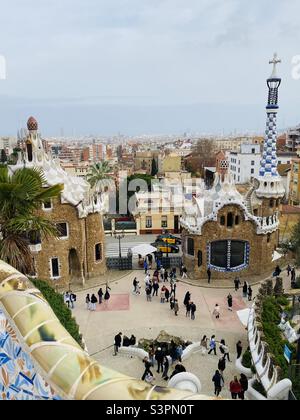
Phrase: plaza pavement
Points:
(132, 314)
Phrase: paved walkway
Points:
(132, 314)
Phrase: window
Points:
(237, 220)
(98, 252)
(62, 230)
(253, 151)
(222, 220)
(252, 171)
(54, 267)
(148, 222)
(230, 220)
(190, 246)
(164, 221)
(252, 163)
(47, 205)
(228, 255)
(199, 258)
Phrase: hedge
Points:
(63, 313)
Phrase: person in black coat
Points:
(148, 366)
(222, 364)
(166, 366)
(167, 294)
(187, 298)
(219, 382)
(244, 385)
(159, 357)
(239, 349)
(118, 341)
(100, 295)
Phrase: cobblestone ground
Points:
(132, 314)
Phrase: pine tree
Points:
(154, 168)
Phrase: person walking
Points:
(173, 289)
(213, 345)
(244, 386)
(217, 311)
(163, 295)
(245, 289)
(187, 298)
(222, 364)
(88, 302)
(118, 341)
(162, 274)
(239, 349)
(135, 283)
(94, 301)
(188, 310)
(203, 345)
(73, 298)
(293, 275)
(67, 299)
(219, 382)
(229, 302)
(159, 357)
(166, 276)
(167, 294)
(224, 350)
(152, 354)
(250, 292)
(155, 288)
(184, 272)
(100, 296)
(166, 366)
(289, 269)
(146, 266)
(148, 293)
(107, 294)
(209, 275)
(176, 307)
(235, 388)
(237, 283)
(172, 302)
(148, 366)
(193, 310)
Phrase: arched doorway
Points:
(74, 267)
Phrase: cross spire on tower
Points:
(275, 61)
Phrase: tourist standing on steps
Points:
(229, 301)
(245, 289)
(250, 292)
(244, 386)
(217, 311)
(100, 296)
(94, 301)
(235, 388)
(176, 307)
(219, 382)
(209, 275)
(239, 349)
(88, 302)
(213, 345)
(118, 341)
(193, 310)
(159, 357)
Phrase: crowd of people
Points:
(91, 300)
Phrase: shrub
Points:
(247, 359)
(60, 309)
(259, 388)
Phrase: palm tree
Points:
(21, 197)
(98, 172)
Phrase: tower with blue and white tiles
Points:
(270, 182)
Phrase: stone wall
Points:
(83, 235)
(261, 246)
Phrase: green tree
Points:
(21, 197)
(295, 242)
(154, 169)
(98, 172)
(3, 157)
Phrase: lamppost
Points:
(119, 236)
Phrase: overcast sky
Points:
(76, 58)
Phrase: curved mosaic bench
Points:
(40, 360)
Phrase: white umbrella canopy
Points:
(143, 249)
(244, 316)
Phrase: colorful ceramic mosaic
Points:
(18, 378)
